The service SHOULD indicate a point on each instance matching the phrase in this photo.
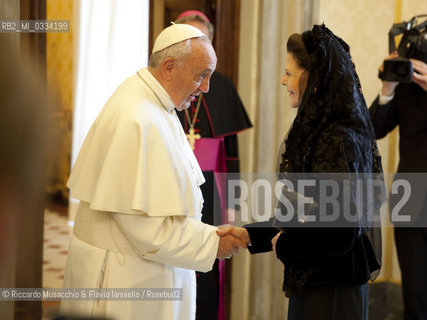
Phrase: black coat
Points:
(322, 255)
(408, 110)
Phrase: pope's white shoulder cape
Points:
(135, 158)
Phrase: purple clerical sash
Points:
(210, 154)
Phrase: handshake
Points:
(230, 240)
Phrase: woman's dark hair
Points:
(295, 45)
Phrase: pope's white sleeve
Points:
(175, 240)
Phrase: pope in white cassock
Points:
(138, 222)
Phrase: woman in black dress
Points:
(326, 269)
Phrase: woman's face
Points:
(291, 79)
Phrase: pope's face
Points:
(193, 74)
(291, 79)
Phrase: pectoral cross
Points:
(192, 137)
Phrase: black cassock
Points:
(221, 115)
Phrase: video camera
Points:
(412, 45)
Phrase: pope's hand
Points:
(420, 73)
(231, 239)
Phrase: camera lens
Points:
(401, 69)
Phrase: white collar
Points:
(157, 88)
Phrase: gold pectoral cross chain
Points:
(191, 135)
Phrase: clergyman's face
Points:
(193, 74)
(291, 79)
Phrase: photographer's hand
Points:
(420, 73)
(388, 86)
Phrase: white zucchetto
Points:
(174, 34)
